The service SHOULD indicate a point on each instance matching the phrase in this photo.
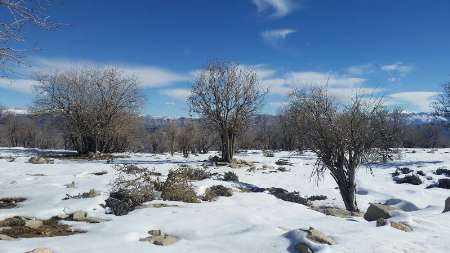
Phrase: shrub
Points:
(215, 191)
(193, 173)
(133, 186)
(177, 187)
(230, 176)
(268, 153)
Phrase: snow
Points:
(245, 222)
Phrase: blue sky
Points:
(396, 49)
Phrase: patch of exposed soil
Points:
(16, 227)
(6, 203)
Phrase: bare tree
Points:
(16, 15)
(98, 106)
(441, 105)
(343, 137)
(171, 131)
(226, 96)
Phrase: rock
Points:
(442, 171)
(6, 238)
(444, 183)
(79, 216)
(303, 248)
(164, 240)
(409, 179)
(288, 196)
(6, 203)
(41, 250)
(447, 205)
(401, 226)
(421, 173)
(318, 237)
(154, 232)
(381, 222)
(376, 211)
(39, 160)
(333, 211)
(34, 223)
(283, 162)
(158, 238)
(404, 170)
(317, 197)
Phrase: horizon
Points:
(380, 48)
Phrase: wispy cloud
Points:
(361, 69)
(148, 76)
(19, 85)
(415, 100)
(397, 70)
(276, 35)
(177, 93)
(277, 8)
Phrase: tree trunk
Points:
(348, 196)
(227, 150)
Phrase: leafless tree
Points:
(98, 106)
(226, 96)
(342, 136)
(441, 105)
(171, 131)
(16, 15)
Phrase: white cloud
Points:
(342, 87)
(276, 35)
(179, 94)
(361, 69)
(148, 76)
(397, 71)
(20, 85)
(309, 78)
(419, 100)
(279, 8)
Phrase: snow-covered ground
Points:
(245, 222)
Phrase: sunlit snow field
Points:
(244, 222)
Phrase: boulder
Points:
(39, 160)
(447, 205)
(376, 211)
(288, 196)
(158, 238)
(318, 237)
(404, 170)
(41, 250)
(444, 183)
(304, 248)
(442, 171)
(164, 240)
(401, 226)
(34, 223)
(79, 216)
(409, 179)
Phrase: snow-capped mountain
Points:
(420, 118)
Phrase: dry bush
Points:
(215, 191)
(230, 176)
(178, 187)
(132, 186)
(193, 173)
